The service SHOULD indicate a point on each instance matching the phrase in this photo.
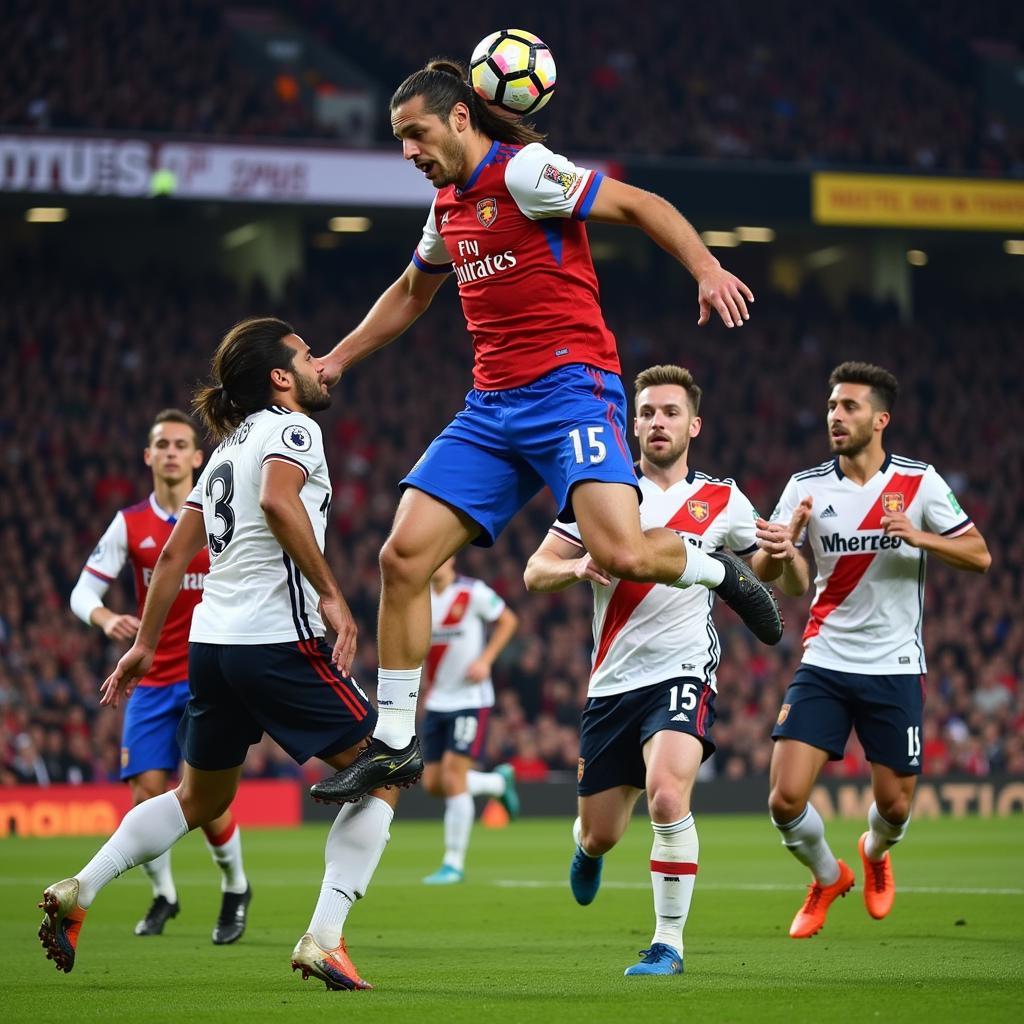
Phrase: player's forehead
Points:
(661, 396)
(171, 432)
(848, 392)
(293, 341)
(410, 115)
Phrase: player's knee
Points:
(453, 781)
(785, 803)
(895, 809)
(597, 838)
(665, 803)
(399, 564)
(141, 793)
(198, 807)
(432, 784)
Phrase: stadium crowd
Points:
(94, 357)
(732, 80)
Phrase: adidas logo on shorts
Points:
(681, 717)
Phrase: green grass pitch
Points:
(511, 945)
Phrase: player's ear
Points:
(197, 458)
(280, 380)
(882, 419)
(636, 427)
(695, 424)
(147, 456)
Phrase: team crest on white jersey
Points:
(698, 509)
(892, 501)
(487, 211)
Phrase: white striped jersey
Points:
(254, 593)
(869, 588)
(457, 639)
(647, 633)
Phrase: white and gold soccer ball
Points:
(513, 69)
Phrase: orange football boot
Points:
(879, 886)
(332, 966)
(810, 918)
(63, 921)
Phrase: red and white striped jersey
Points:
(646, 633)
(138, 535)
(457, 616)
(515, 239)
(869, 588)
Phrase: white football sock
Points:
(673, 873)
(353, 851)
(485, 783)
(147, 830)
(577, 834)
(227, 855)
(397, 691)
(883, 835)
(459, 813)
(804, 837)
(159, 872)
(700, 568)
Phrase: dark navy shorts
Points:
(289, 690)
(822, 705)
(149, 737)
(566, 427)
(462, 732)
(614, 729)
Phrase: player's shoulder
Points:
(912, 467)
(467, 581)
(707, 478)
(142, 507)
(820, 472)
(525, 165)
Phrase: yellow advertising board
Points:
(897, 201)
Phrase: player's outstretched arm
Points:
(968, 551)
(185, 542)
(288, 520)
(558, 563)
(619, 203)
(397, 309)
(504, 629)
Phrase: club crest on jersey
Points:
(565, 180)
(699, 510)
(892, 501)
(297, 438)
(783, 714)
(487, 211)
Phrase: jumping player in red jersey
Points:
(149, 745)
(547, 405)
(871, 519)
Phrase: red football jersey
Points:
(515, 239)
(138, 535)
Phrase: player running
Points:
(459, 699)
(651, 700)
(149, 745)
(547, 406)
(257, 657)
(871, 519)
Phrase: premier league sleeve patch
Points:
(297, 437)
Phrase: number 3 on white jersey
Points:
(596, 448)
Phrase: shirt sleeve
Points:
(940, 511)
(787, 506)
(194, 500)
(108, 557)
(569, 532)
(431, 255)
(486, 603)
(544, 184)
(295, 439)
(741, 537)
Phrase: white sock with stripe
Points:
(226, 851)
(883, 834)
(351, 855)
(158, 870)
(485, 783)
(397, 692)
(146, 831)
(804, 837)
(673, 873)
(459, 813)
(700, 568)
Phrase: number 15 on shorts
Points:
(589, 449)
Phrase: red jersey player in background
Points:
(871, 519)
(547, 407)
(149, 745)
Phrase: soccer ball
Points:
(513, 70)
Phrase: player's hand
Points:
(478, 671)
(587, 569)
(775, 538)
(132, 667)
(718, 289)
(898, 524)
(122, 627)
(800, 518)
(336, 614)
(332, 371)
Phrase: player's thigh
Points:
(426, 532)
(206, 795)
(673, 760)
(888, 721)
(605, 816)
(471, 469)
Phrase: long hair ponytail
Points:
(442, 83)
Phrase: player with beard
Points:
(257, 657)
(547, 405)
(651, 700)
(871, 519)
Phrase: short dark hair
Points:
(884, 386)
(443, 82)
(240, 370)
(669, 374)
(175, 416)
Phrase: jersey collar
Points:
(841, 475)
(479, 169)
(167, 517)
